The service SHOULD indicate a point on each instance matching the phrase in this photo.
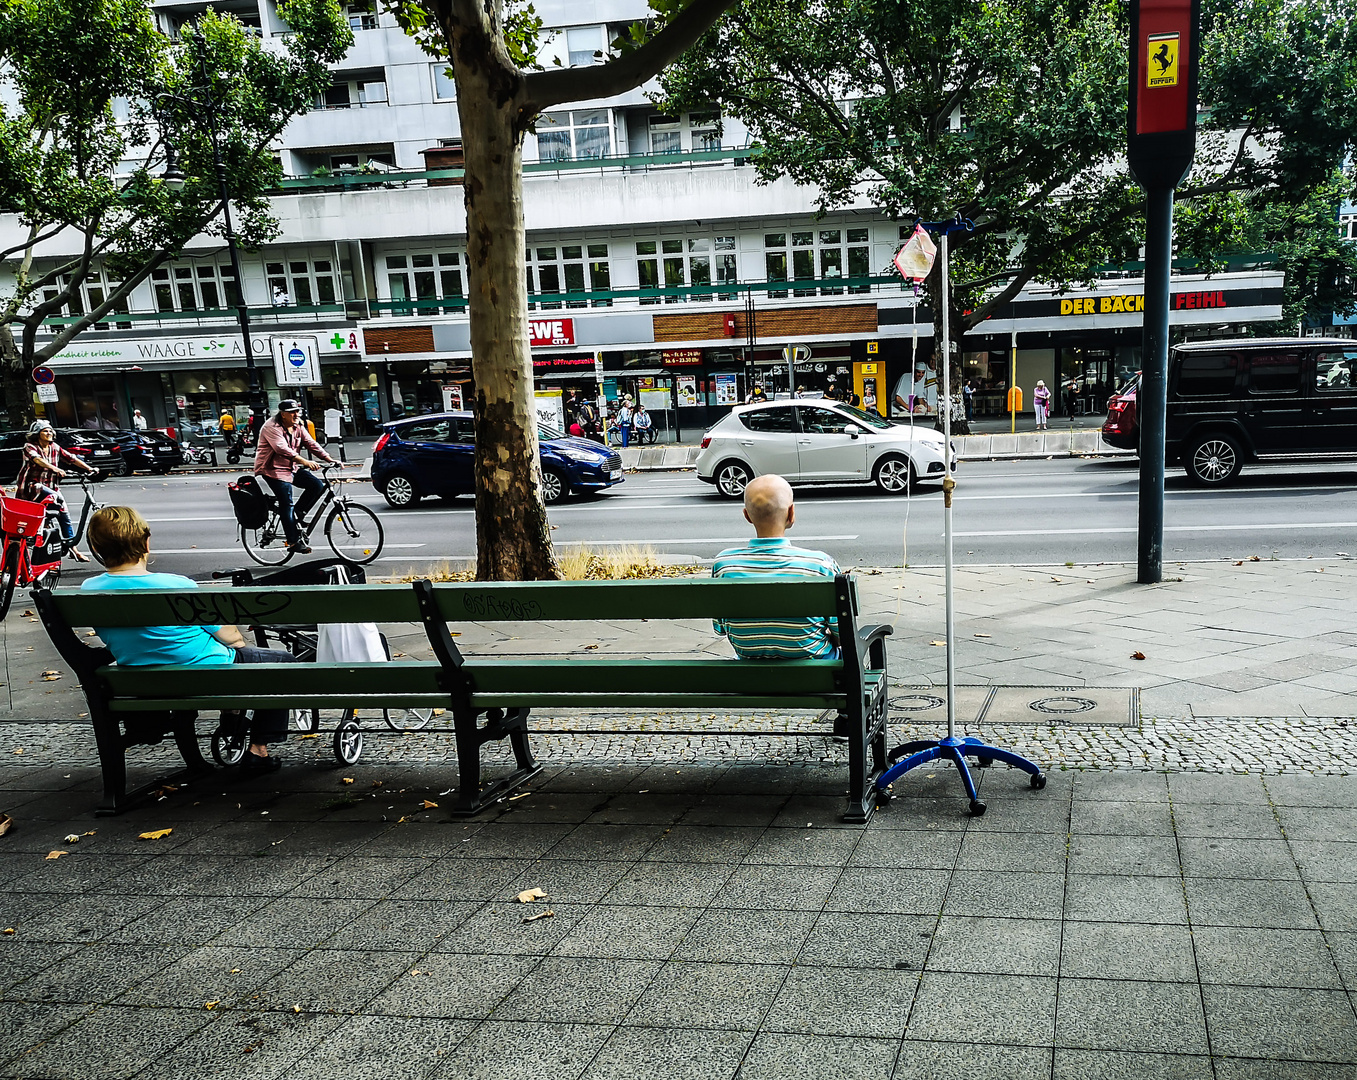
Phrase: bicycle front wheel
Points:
(354, 532)
(267, 544)
(8, 575)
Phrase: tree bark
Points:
(16, 382)
(513, 535)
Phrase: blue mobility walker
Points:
(953, 748)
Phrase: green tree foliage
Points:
(1013, 114)
(73, 66)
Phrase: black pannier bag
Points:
(250, 503)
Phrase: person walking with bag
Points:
(1041, 403)
(277, 460)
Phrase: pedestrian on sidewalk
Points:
(624, 418)
(121, 540)
(968, 396)
(644, 425)
(768, 507)
(1041, 403)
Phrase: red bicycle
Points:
(31, 544)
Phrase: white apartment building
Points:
(655, 264)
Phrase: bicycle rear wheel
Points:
(354, 532)
(267, 544)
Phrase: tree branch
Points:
(547, 88)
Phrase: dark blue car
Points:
(433, 456)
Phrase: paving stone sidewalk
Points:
(708, 920)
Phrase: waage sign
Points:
(544, 332)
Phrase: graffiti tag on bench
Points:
(216, 609)
(481, 605)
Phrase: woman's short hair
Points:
(118, 535)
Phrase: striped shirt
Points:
(777, 639)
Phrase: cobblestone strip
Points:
(1218, 744)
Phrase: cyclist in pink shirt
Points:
(277, 460)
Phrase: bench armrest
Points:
(872, 644)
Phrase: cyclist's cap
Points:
(289, 405)
(39, 425)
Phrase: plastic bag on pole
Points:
(915, 259)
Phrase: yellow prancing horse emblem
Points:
(1163, 65)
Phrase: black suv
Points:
(1259, 400)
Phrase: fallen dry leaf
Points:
(6, 823)
(308, 736)
(439, 712)
(1137, 655)
(296, 1008)
(347, 779)
(595, 646)
(91, 832)
(1239, 562)
(157, 834)
(520, 795)
(8, 930)
(1255, 558)
(939, 642)
(548, 914)
(29, 613)
(210, 1005)
(401, 818)
(984, 635)
(429, 805)
(376, 783)
(527, 896)
(73, 838)
(20, 750)
(56, 854)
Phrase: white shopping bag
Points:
(349, 643)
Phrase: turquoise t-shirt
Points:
(136, 645)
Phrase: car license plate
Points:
(616, 474)
(103, 453)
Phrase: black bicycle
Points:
(353, 531)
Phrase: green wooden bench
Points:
(487, 697)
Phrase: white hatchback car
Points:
(817, 442)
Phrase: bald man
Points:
(768, 507)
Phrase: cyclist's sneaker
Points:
(253, 763)
(301, 547)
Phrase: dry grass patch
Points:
(621, 562)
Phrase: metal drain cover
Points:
(1062, 706)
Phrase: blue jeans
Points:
(269, 725)
(312, 489)
(59, 504)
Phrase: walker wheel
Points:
(228, 748)
(348, 740)
(1038, 781)
(977, 808)
(984, 762)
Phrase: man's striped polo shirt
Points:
(777, 639)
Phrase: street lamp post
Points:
(204, 105)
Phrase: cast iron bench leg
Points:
(471, 797)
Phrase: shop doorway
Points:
(1086, 380)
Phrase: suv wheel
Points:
(732, 477)
(399, 491)
(1214, 460)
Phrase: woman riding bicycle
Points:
(40, 476)
(276, 461)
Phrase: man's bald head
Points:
(768, 505)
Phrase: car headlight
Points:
(582, 456)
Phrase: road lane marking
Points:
(1242, 527)
(241, 551)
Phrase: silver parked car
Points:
(813, 441)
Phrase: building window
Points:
(585, 45)
(574, 136)
(676, 264)
(304, 282)
(353, 93)
(444, 88)
(705, 128)
(427, 277)
(553, 271)
(1347, 226)
(197, 286)
(362, 14)
(818, 253)
(666, 134)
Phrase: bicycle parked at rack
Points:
(33, 546)
(230, 740)
(352, 530)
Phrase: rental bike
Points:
(31, 544)
(353, 531)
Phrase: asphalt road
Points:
(1023, 512)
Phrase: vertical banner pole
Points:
(947, 485)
